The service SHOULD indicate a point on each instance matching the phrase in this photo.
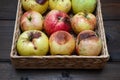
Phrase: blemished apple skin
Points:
(87, 6)
(40, 6)
(61, 43)
(88, 44)
(31, 20)
(63, 5)
(32, 43)
(83, 21)
(56, 20)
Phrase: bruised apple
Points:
(61, 43)
(32, 43)
(83, 21)
(63, 5)
(88, 43)
(36, 5)
(31, 20)
(56, 20)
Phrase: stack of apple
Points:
(57, 32)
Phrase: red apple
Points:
(83, 21)
(88, 43)
(61, 43)
(31, 20)
(56, 20)
(32, 43)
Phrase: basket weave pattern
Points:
(60, 62)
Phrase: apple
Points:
(83, 21)
(61, 43)
(84, 6)
(32, 43)
(63, 5)
(40, 6)
(56, 20)
(31, 20)
(88, 43)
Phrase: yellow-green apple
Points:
(37, 5)
(61, 43)
(63, 5)
(32, 43)
(83, 6)
(88, 43)
(83, 21)
(56, 20)
(31, 20)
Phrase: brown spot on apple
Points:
(33, 35)
(87, 35)
(61, 37)
(41, 1)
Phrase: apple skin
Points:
(83, 21)
(56, 20)
(31, 20)
(88, 43)
(61, 43)
(84, 6)
(32, 43)
(63, 5)
(36, 5)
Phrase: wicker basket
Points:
(60, 62)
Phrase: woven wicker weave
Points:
(60, 62)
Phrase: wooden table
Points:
(111, 16)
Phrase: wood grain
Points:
(112, 29)
(110, 72)
(6, 34)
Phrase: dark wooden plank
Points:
(110, 9)
(110, 72)
(110, 1)
(8, 9)
(6, 33)
(112, 29)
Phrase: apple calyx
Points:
(66, 19)
(29, 18)
(34, 35)
(61, 38)
(41, 1)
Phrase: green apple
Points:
(83, 21)
(88, 43)
(61, 43)
(63, 5)
(32, 43)
(36, 5)
(83, 5)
